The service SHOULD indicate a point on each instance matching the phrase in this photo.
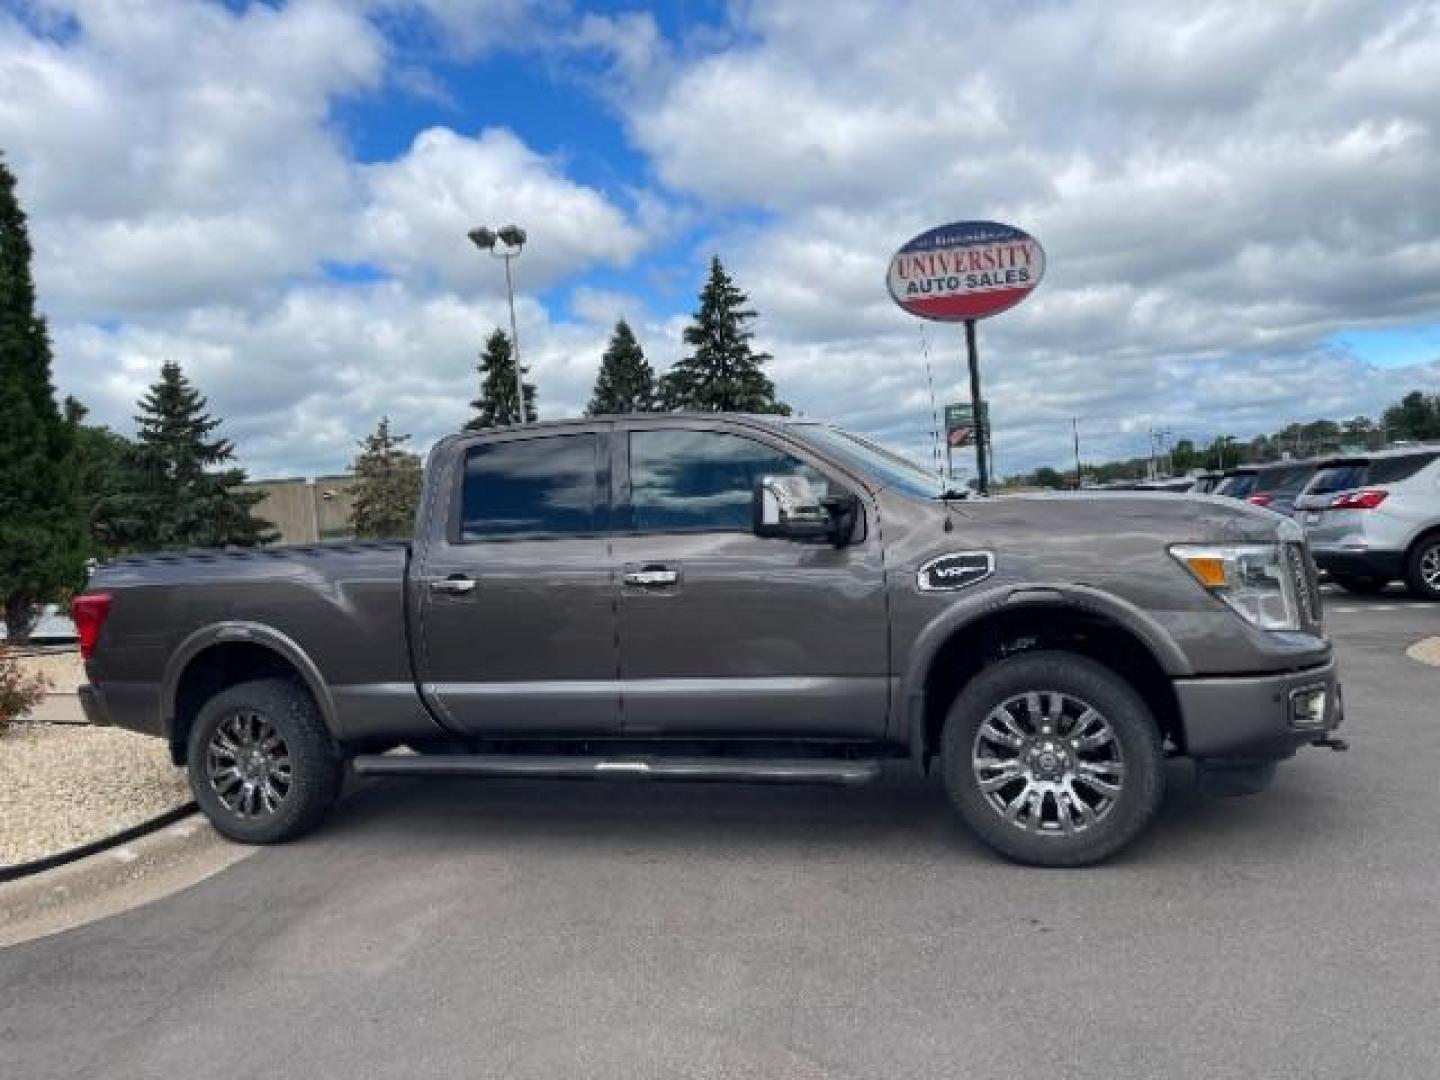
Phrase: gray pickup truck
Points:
(731, 598)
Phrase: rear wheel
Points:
(1422, 568)
(1363, 586)
(260, 762)
(1053, 759)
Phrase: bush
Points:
(19, 693)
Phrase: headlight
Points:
(1252, 578)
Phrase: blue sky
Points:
(1238, 206)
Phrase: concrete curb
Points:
(122, 876)
(124, 836)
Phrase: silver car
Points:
(1372, 518)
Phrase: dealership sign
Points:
(967, 270)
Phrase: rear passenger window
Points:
(530, 487)
(1391, 470)
(702, 480)
(1336, 478)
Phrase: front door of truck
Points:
(516, 601)
(726, 633)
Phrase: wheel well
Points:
(1428, 534)
(1049, 626)
(217, 668)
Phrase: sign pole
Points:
(981, 433)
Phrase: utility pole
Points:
(1075, 430)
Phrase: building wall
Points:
(305, 511)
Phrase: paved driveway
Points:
(582, 930)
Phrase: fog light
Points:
(1307, 707)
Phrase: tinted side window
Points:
(701, 480)
(1237, 486)
(530, 486)
(1286, 480)
(1391, 470)
(1337, 478)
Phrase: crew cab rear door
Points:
(515, 590)
(726, 633)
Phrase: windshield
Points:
(889, 468)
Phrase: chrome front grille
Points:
(1307, 585)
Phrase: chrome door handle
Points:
(651, 577)
(456, 585)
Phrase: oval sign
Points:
(966, 270)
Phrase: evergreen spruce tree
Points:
(626, 382)
(387, 489)
(496, 405)
(42, 532)
(722, 374)
(176, 493)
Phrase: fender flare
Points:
(240, 632)
(965, 613)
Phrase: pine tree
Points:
(496, 406)
(722, 374)
(42, 532)
(387, 489)
(175, 495)
(626, 382)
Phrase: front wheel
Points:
(1422, 569)
(260, 762)
(1053, 759)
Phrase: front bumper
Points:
(1360, 562)
(1255, 716)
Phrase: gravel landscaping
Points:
(62, 785)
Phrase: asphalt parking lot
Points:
(574, 930)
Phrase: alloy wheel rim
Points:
(1048, 763)
(1430, 567)
(248, 765)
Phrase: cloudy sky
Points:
(1240, 203)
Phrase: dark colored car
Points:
(1274, 487)
(673, 597)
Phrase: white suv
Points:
(1373, 518)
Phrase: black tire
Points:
(1422, 563)
(1361, 586)
(1133, 743)
(313, 777)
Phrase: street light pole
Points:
(515, 342)
(513, 238)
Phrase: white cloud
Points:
(420, 206)
(1219, 188)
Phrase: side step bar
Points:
(568, 767)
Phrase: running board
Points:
(567, 767)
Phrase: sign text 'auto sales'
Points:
(966, 270)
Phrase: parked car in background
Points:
(1205, 483)
(1372, 518)
(1236, 483)
(1274, 487)
(1277, 486)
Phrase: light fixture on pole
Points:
(506, 244)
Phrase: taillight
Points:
(88, 610)
(1261, 499)
(1368, 499)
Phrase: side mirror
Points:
(789, 506)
